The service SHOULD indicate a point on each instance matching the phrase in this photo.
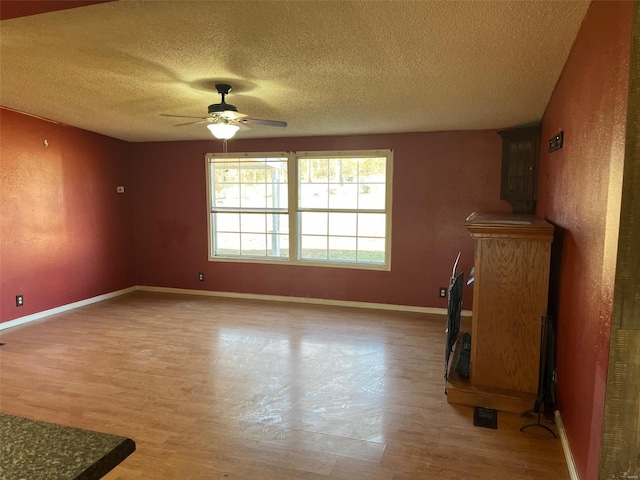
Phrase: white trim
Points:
(308, 300)
(64, 308)
(301, 263)
(571, 464)
(388, 208)
(221, 157)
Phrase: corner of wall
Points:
(566, 448)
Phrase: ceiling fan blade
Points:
(258, 121)
(181, 116)
(191, 123)
(231, 115)
(241, 124)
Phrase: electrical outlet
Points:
(443, 292)
(19, 301)
(201, 277)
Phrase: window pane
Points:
(227, 172)
(342, 248)
(278, 246)
(254, 196)
(372, 225)
(313, 195)
(253, 244)
(343, 170)
(252, 171)
(253, 223)
(278, 223)
(226, 195)
(372, 196)
(226, 222)
(313, 247)
(227, 244)
(304, 171)
(212, 185)
(343, 197)
(313, 223)
(373, 170)
(371, 250)
(335, 170)
(343, 224)
(276, 195)
(319, 168)
(277, 171)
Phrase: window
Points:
(320, 208)
(249, 207)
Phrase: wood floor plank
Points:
(232, 389)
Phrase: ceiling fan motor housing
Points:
(218, 108)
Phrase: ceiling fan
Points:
(224, 119)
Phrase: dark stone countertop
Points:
(33, 450)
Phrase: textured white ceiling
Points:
(325, 67)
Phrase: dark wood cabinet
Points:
(520, 153)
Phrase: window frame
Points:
(294, 211)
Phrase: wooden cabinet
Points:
(510, 289)
(512, 255)
(520, 153)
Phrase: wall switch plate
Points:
(443, 292)
(120, 189)
(201, 277)
(19, 301)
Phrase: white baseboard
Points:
(571, 465)
(64, 308)
(208, 293)
(307, 300)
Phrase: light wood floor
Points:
(227, 389)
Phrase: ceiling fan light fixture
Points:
(223, 130)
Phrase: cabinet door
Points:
(520, 151)
(509, 298)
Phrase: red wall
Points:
(439, 179)
(23, 8)
(579, 191)
(66, 234)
